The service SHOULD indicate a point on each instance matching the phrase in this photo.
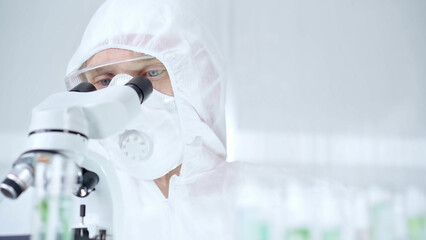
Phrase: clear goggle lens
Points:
(100, 75)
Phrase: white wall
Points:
(336, 81)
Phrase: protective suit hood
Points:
(164, 30)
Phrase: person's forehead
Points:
(112, 54)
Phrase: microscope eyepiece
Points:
(142, 86)
(84, 87)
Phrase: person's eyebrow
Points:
(101, 70)
(95, 72)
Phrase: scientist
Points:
(171, 159)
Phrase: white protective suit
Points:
(200, 200)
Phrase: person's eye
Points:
(102, 80)
(105, 82)
(154, 73)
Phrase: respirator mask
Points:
(150, 145)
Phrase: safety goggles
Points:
(100, 75)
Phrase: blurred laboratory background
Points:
(332, 88)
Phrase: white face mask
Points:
(150, 146)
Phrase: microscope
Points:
(64, 170)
